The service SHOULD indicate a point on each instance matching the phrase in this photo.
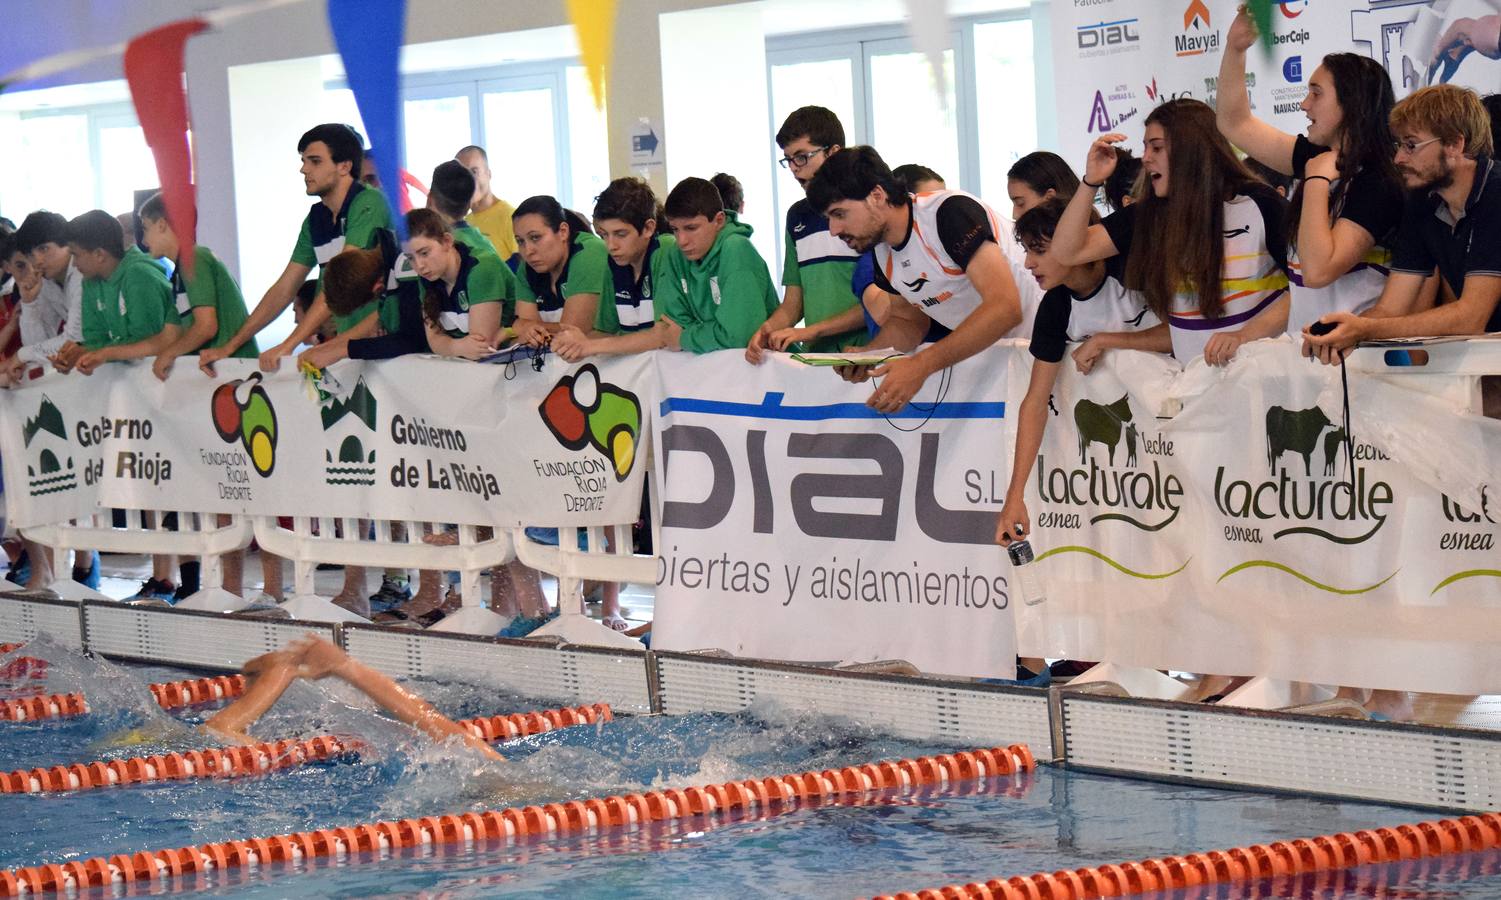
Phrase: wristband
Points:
(1324, 178)
(1088, 183)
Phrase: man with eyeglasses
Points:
(1452, 222)
(817, 269)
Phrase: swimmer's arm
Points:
(269, 677)
(320, 658)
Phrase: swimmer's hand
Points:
(316, 657)
(227, 735)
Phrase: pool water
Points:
(877, 843)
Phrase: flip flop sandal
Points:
(615, 623)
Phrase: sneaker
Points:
(521, 626)
(264, 606)
(20, 570)
(392, 593)
(152, 589)
(89, 577)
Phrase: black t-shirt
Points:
(1472, 246)
(1121, 224)
(1370, 201)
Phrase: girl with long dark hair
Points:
(1205, 242)
(1349, 198)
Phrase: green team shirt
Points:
(586, 271)
(643, 300)
(358, 224)
(823, 266)
(725, 296)
(134, 303)
(214, 288)
(483, 278)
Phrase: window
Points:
(537, 121)
(74, 160)
(435, 129)
(828, 83)
(528, 164)
(908, 123)
(1006, 99)
(883, 93)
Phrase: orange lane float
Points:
(1197, 872)
(169, 695)
(512, 822)
(266, 756)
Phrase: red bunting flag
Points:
(154, 71)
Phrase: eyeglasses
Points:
(799, 160)
(1410, 146)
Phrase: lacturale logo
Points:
(1148, 500)
(1340, 507)
(583, 411)
(353, 466)
(242, 412)
(44, 474)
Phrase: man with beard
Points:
(937, 251)
(1452, 222)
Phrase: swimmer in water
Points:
(312, 657)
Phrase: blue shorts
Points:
(549, 536)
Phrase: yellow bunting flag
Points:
(594, 22)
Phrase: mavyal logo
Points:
(353, 466)
(45, 474)
(242, 412)
(582, 411)
(1198, 35)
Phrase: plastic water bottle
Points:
(1024, 575)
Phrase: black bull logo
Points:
(1104, 423)
(1299, 430)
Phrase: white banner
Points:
(411, 439)
(51, 441)
(1234, 537)
(1114, 60)
(797, 523)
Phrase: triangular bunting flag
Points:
(594, 22)
(154, 69)
(368, 34)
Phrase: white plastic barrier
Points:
(572, 567)
(348, 545)
(197, 534)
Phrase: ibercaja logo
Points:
(582, 411)
(242, 412)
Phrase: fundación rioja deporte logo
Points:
(242, 411)
(582, 411)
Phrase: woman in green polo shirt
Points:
(563, 268)
(463, 293)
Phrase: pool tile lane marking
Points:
(1299, 856)
(267, 756)
(573, 816)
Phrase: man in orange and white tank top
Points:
(937, 251)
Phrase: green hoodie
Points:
(134, 303)
(726, 295)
